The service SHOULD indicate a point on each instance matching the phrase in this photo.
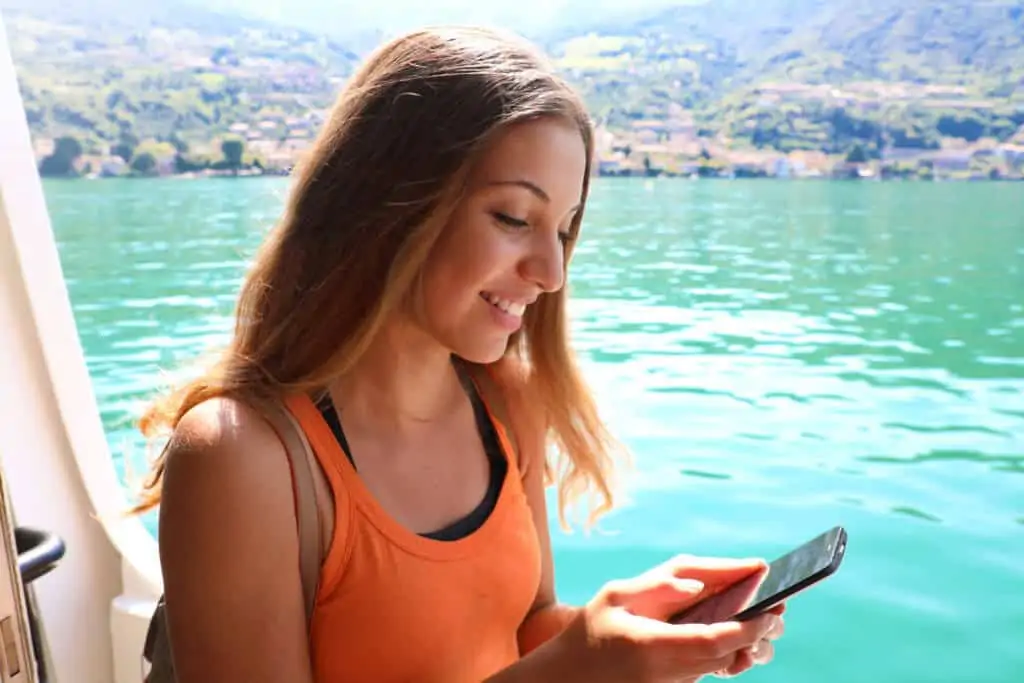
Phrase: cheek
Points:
(457, 270)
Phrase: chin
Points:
(480, 352)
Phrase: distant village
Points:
(251, 103)
(648, 148)
(672, 148)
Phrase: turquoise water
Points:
(780, 357)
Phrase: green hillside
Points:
(843, 77)
(104, 81)
(814, 74)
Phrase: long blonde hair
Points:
(367, 204)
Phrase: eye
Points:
(509, 220)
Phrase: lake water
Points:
(780, 357)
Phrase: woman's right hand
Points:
(623, 633)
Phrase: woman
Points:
(410, 310)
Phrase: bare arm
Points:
(547, 617)
(229, 551)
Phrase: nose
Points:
(545, 264)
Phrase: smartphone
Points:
(790, 574)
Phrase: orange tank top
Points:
(396, 606)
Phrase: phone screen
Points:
(787, 575)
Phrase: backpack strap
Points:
(307, 505)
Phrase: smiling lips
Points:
(510, 311)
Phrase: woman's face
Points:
(505, 244)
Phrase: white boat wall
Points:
(94, 605)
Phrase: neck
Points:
(404, 378)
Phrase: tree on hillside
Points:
(232, 149)
(224, 55)
(857, 155)
(123, 150)
(180, 146)
(159, 150)
(707, 167)
(969, 127)
(144, 164)
(62, 161)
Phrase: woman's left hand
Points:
(716, 574)
(761, 653)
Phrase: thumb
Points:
(655, 595)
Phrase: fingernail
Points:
(689, 586)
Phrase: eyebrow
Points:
(532, 187)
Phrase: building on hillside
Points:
(87, 164)
(610, 166)
(951, 160)
(43, 147)
(261, 149)
(783, 168)
(809, 163)
(853, 170)
(658, 130)
(684, 147)
(1018, 137)
(112, 166)
(756, 163)
(902, 154)
(286, 154)
(604, 142)
(166, 164)
(1013, 155)
(101, 166)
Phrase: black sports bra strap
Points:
(496, 457)
(492, 399)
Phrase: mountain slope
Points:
(953, 42)
(786, 74)
(109, 73)
(120, 15)
(813, 74)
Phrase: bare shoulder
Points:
(226, 473)
(220, 426)
(224, 447)
(229, 549)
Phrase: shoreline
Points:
(661, 176)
